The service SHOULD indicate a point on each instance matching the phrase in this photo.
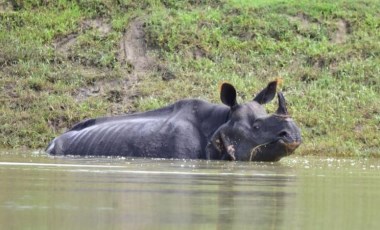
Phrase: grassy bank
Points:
(63, 61)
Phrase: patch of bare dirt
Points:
(5, 6)
(343, 27)
(133, 48)
(340, 35)
(303, 22)
(99, 24)
(133, 54)
(63, 44)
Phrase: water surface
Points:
(42, 192)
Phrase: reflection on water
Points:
(41, 192)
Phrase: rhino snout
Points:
(290, 137)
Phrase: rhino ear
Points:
(228, 94)
(282, 110)
(267, 94)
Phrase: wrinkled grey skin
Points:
(190, 129)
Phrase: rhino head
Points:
(250, 134)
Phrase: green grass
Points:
(327, 52)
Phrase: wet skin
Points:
(190, 129)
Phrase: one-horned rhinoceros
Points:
(190, 129)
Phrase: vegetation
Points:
(63, 61)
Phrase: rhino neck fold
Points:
(212, 117)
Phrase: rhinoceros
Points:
(190, 129)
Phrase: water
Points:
(42, 192)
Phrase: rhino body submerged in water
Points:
(190, 129)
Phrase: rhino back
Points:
(177, 131)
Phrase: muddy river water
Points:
(42, 192)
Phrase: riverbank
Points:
(67, 61)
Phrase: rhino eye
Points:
(256, 125)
